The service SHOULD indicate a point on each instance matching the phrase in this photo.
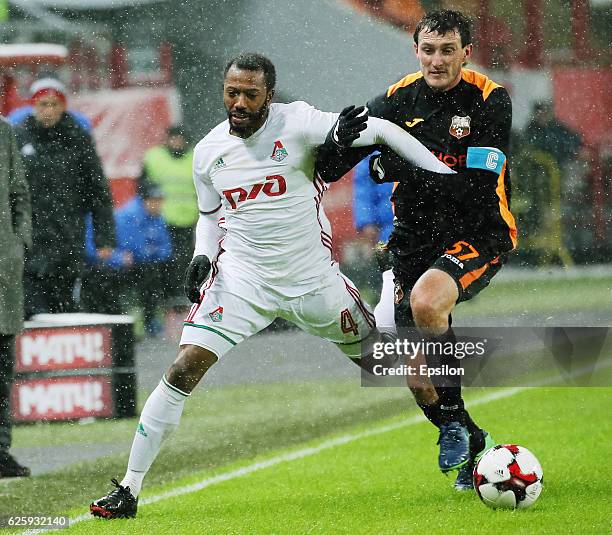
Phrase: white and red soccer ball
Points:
(508, 477)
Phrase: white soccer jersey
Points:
(275, 225)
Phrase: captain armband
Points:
(486, 158)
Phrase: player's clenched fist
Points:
(197, 271)
(351, 122)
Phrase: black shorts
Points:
(471, 269)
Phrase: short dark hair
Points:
(445, 21)
(251, 61)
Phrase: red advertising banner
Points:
(127, 122)
(64, 348)
(62, 398)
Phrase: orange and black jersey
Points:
(432, 208)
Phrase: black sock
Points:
(477, 441)
(449, 397)
(448, 387)
(432, 413)
(439, 414)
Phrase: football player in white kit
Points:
(263, 246)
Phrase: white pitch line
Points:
(297, 454)
(332, 443)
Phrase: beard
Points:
(253, 119)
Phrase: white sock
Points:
(160, 416)
(384, 312)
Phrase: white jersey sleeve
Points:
(317, 124)
(383, 132)
(208, 235)
(208, 231)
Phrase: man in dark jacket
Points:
(15, 222)
(66, 182)
(546, 133)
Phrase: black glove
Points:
(351, 121)
(197, 271)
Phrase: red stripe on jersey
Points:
(212, 211)
(354, 293)
(326, 239)
(366, 312)
(328, 247)
(211, 280)
(323, 185)
(196, 306)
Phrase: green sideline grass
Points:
(388, 483)
(535, 296)
(531, 297)
(218, 427)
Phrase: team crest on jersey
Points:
(216, 315)
(460, 126)
(279, 153)
(219, 164)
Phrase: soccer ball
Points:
(508, 477)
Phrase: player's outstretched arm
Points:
(355, 135)
(383, 132)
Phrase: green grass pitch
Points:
(388, 482)
(378, 483)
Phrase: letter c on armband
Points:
(486, 158)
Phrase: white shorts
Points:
(234, 307)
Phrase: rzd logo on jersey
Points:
(460, 126)
(274, 186)
(279, 153)
(216, 315)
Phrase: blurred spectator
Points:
(15, 222)
(372, 211)
(138, 262)
(19, 115)
(544, 132)
(169, 166)
(550, 197)
(66, 182)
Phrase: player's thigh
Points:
(336, 312)
(231, 310)
(471, 267)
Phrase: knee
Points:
(427, 315)
(189, 367)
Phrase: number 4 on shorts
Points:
(348, 323)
